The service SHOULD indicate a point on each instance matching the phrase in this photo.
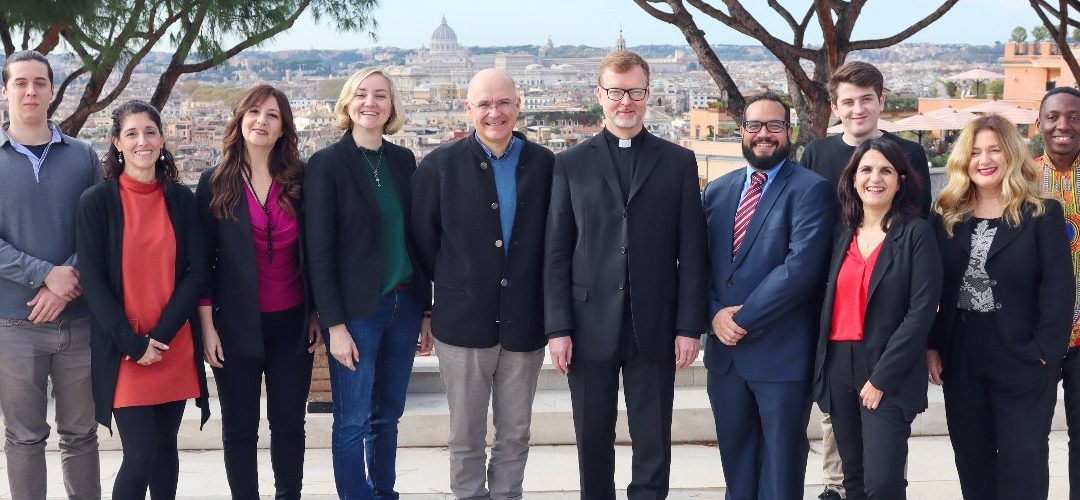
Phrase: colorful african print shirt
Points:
(1063, 186)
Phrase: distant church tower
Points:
(620, 43)
(546, 49)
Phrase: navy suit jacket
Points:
(777, 276)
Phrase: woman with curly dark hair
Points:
(257, 320)
(143, 268)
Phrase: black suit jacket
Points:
(99, 242)
(598, 249)
(343, 231)
(234, 276)
(1030, 271)
(483, 295)
(905, 287)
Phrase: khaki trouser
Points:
(832, 467)
(29, 355)
(507, 379)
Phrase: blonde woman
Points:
(1005, 312)
(367, 285)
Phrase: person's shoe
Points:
(829, 495)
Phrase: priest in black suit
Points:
(625, 278)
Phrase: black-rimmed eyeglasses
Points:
(616, 94)
(774, 126)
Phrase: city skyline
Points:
(597, 23)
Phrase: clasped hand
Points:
(725, 328)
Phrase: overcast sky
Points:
(409, 23)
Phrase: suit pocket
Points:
(579, 293)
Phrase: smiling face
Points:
(988, 162)
(493, 107)
(764, 149)
(625, 114)
(876, 181)
(858, 109)
(1059, 124)
(140, 142)
(372, 103)
(261, 125)
(28, 91)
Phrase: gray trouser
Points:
(508, 379)
(29, 355)
(831, 466)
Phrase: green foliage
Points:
(895, 102)
(1076, 34)
(208, 93)
(529, 49)
(1036, 146)
(1019, 35)
(951, 89)
(1040, 33)
(996, 87)
(938, 161)
(577, 51)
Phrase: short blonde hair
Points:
(621, 62)
(957, 200)
(348, 91)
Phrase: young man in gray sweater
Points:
(44, 324)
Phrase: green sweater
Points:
(396, 269)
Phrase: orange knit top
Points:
(148, 272)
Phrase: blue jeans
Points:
(369, 402)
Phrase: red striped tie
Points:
(746, 210)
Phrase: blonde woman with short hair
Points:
(1005, 312)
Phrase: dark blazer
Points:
(905, 287)
(1030, 273)
(776, 276)
(483, 295)
(343, 230)
(597, 246)
(234, 277)
(99, 242)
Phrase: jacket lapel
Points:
(722, 214)
(762, 211)
(603, 158)
(1006, 233)
(646, 163)
(357, 167)
(885, 258)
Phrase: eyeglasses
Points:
(774, 126)
(616, 94)
(502, 106)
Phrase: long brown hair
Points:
(164, 168)
(286, 167)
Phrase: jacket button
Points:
(622, 249)
(483, 165)
(498, 243)
(730, 283)
(999, 306)
(504, 282)
(624, 214)
(992, 283)
(621, 286)
(494, 206)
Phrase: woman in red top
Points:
(882, 292)
(143, 268)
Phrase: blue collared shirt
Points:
(34, 160)
(505, 169)
(770, 175)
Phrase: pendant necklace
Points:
(265, 206)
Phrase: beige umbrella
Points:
(882, 124)
(954, 118)
(977, 75)
(1013, 113)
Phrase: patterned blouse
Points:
(976, 293)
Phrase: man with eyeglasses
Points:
(624, 282)
(478, 210)
(858, 98)
(769, 228)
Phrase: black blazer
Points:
(483, 295)
(99, 242)
(234, 277)
(1030, 271)
(905, 287)
(595, 241)
(343, 231)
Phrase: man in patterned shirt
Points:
(1059, 124)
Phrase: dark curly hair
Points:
(165, 166)
(904, 204)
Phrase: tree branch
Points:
(904, 35)
(1060, 36)
(666, 17)
(5, 35)
(62, 89)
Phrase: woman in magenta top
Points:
(882, 292)
(257, 321)
(141, 261)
